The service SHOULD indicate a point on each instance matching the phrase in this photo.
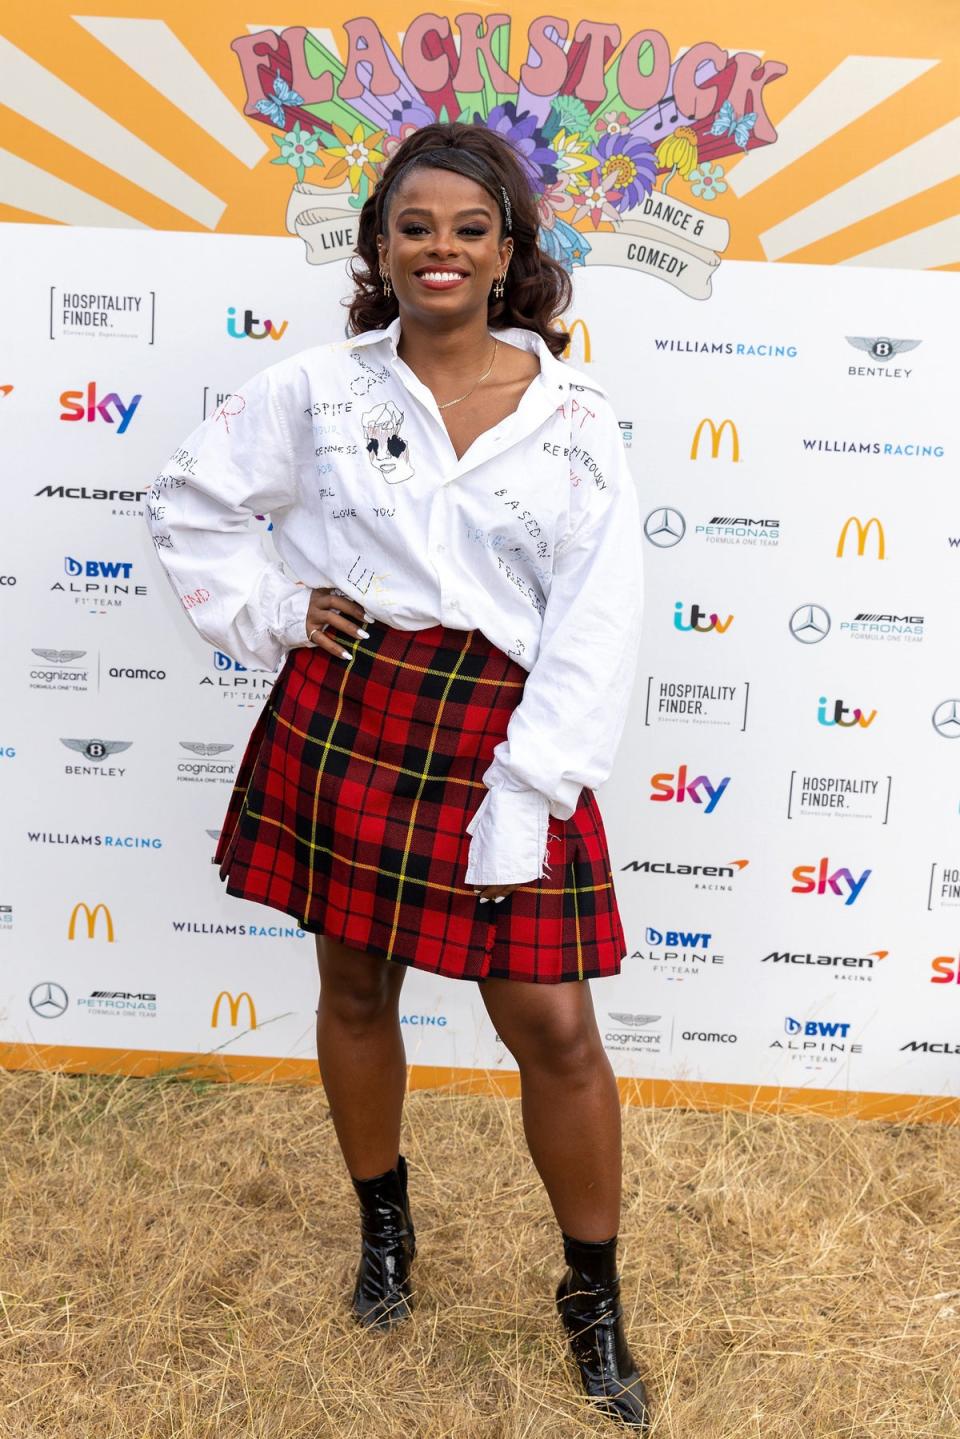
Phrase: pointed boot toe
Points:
(593, 1320)
(382, 1295)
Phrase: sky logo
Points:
(842, 716)
(669, 786)
(697, 616)
(816, 879)
(76, 408)
(248, 331)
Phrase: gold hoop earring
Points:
(386, 283)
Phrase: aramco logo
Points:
(863, 531)
(716, 435)
(91, 917)
(234, 1006)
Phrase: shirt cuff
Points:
(509, 837)
(293, 618)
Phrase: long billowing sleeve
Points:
(237, 464)
(564, 733)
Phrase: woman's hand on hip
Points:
(495, 891)
(330, 610)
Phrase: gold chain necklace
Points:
(446, 405)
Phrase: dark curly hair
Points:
(538, 289)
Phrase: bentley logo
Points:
(946, 719)
(97, 749)
(59, 657)
(810, 624)
(48, 1000)
(882, 349)
(205, 751)
(664, 528)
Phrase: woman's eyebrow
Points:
(422, 210)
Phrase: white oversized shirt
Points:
(532, 537)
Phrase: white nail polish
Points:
(363, 634)
(369, 618)
(499, 898)
(485, 898)
(346, 654)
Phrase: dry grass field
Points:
(176, 1257)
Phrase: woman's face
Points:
(442, 250)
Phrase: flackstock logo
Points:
(851, 967)
(677, 954)
(272, 330)
(79, 406)
(233, 1004)
(705, 876)
(810, 624)
(634, 1033)
(863, 531)
(815, 1043)
(689, 702)
(836, 796)
(946, 719)
(843, 716)
(946, 969)
(716, 435)
(669, 786)
(817, 879)
(91, 916)
(60, 671)
(664, 528)
(102, 315)
(96, 751)
(944, 888)
(48, 1000)
(881, 350)
(206, 768)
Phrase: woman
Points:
(459, 643)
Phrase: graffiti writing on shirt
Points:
(184, 461)
(156, 512)
(163, 542)
(522, 585)
(227, 412)
(525, 518)
(516, 650)
(347, 514)
(326, 492)
(580, 412)
(382, 513)
(335, 450)
(370, 375)
(363, 578)
(387, 450)
(589, 464)
(321, 408)
(194, 599)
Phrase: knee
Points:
(568, 1050)
(356, 995)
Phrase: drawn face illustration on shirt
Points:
(386, 447)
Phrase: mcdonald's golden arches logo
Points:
(91, 915)
(862, 531)
(572, 329)
(234, 1004)
(716, 435)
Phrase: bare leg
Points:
(360, 1052)
(569, 1098)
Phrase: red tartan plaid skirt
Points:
(351, 802)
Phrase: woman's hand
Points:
(331, 610)
(491, 891)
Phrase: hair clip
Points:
(506, 207)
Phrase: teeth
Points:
(441, 275)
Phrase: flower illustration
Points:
(678, 153)
(354, 159)
(597, 200)
(553, 202)
(298, 149)
(707, 181)
(566, 113)
(566, 245)
(573, 157)
(627, 164)
(536, 157)
(393, 142)
(613, 122)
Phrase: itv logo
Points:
(700, 621)
(271, 330)
(75, 407)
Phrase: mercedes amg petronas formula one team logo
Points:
(946, 719)
(664, 528)
(810, 624)
(49, 1000)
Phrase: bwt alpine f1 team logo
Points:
(615, 142)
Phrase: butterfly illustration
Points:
(283, 96)
(726, 122)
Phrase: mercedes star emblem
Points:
(664, 528)
(946, 719)
(49, 1000)
(809, 624)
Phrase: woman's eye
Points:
(466, 229)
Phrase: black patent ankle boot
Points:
(381, 1295)
(588, 1301)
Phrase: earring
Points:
(498, 287)
(387, 291)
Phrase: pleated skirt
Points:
(351, 802)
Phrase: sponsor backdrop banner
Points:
(764, 250)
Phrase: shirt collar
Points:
(553, 371)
